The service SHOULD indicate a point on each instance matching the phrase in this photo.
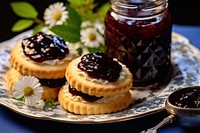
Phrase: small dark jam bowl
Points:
(187, 116)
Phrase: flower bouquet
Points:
(81, 23)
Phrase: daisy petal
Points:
(18, 94)
(30, 101)
(49, 14)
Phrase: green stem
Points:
(38, 21)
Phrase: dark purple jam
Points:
(188, 100)
(143, 45)
(86, 97)
(98, 65)
(53, 83)
(43, 47)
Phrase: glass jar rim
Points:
(138, 7)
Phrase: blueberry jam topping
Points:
(86, 97)
(53, 83)
(99, 65)
(188, 100)
(43, 47)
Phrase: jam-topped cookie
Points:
(80, 103)
(98, 84)
(43, 56)
(97, 74)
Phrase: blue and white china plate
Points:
(186, 71)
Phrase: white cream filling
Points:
(122, 76)
(71, 55)
(80, 99)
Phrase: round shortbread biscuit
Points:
(78, 79)
(102, 106)
(40, 70)
(48, 93)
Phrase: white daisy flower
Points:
(86, 24)
(29, 89)
(91, 38)
(55, 14)
(99, 26)
(40, 104)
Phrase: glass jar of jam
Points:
(138, 33)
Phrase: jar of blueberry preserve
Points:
(138, 33)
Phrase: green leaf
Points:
(102, 11)
(67, 32)
(104, 8)
(49, 103)
(101, 48)
(88, 2)
(21, 98)
(22, 24)
(37, 28)
(24, 9)
(76, 2)
(80, 2)
(74, 17)
(80, 51)
(90, 16)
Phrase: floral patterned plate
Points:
(186, 71)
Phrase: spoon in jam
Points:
(182, 105)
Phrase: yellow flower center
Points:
(28, 91)
(92, 36)
(57, 16)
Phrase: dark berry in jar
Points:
(188, 100)
(86, 97)
(98, 65)
(41, 47)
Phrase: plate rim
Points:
(184, 39)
